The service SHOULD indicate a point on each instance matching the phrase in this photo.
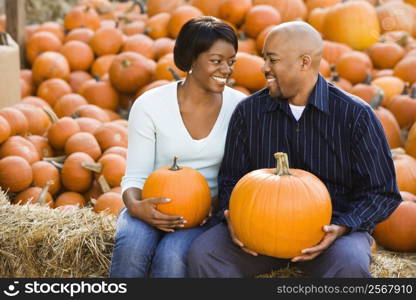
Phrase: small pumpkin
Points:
(405, 166)
(192, 203)
(78, 54)
(67, 104)
(111, 166)
(234, 11)
(82, 17)
(101, 93)
(157, 25)
(354, 66)
(110, 203)
(258, 18)
(110, 135)
(101, 65)
(42, 145)
(15, 173)
(70, 198)
(61, 130)
(17, 145)
(44, 172)
(74, 176)
(35, 195)
(179, 17)
(106, 41)
(83, 142)
(50, 65)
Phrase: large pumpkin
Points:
(192, 201)
(354, 23)
(279, 212)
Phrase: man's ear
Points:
(306, 62)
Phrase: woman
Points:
(187, 119)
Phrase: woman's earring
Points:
(190, 71)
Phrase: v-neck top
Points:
(157, 133)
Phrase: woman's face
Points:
(213, 68)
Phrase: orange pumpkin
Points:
(312, 4)
(38, 121)
(405, 69)
(179, 17)
(141, 44)
(354, 23)
(234, 11)
(35, 195)
(157, 6)
(111, 166)
(106, 41)
(192, 203)
(101, 65)
(385, 55)
(403, 108)
(15, 173)
(110, 135)
(285, 215)
(395, 15)
(397, 233)
(79, 34)
(91, 111)
(35, 101)
(157, 25)
(316, 18)
(42, 145)
(70, 198)
(289, 9)
(44, 172)
(83, 142)
(162, 68)
(50, 65)
(17, 145)
(258, 18)
(74, 176)
(78, 54)
(17, 120)
(82, 17)
(41, 42)
(354, 66)
(61, 130)
(77, 79)
(122, 151)
(163, 46)
(100, 93)
(4, 129)
(391, 87)
(110, 203)
(410, 145)
(248, 73)
(405, 167)
(333, 51)
(208, 8)
(130, 71)
(67, 104)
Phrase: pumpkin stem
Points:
(51, 114)
(95, 167)
(405, 88)
(282, 167)
(175, 166)
(58, 159)
(57, 165)
(413, 92)
(174, 74)
(368, 79)
(377, 99)
(126, 63)
(105, 187)
(44, 192)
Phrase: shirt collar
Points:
(318, 98)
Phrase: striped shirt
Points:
(338, 138)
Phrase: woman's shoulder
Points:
(158, 95)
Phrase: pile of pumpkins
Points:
(87, 70)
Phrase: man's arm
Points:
(376, 194)
(236, 162)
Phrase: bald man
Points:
(325, 131)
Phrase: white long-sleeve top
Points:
(156, 134)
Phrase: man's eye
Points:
(231, 63)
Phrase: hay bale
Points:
(36, 241)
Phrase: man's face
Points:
(280, 67)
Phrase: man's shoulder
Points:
(346, 101)
(254, 100)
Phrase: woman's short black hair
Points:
(197, 36)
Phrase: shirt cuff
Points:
(352, 222)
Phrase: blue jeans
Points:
(142, 250)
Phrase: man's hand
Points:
(234, 238)
(146, 211)
(332, 232)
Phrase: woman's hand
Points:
(146, 210)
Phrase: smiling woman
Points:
(187, 119)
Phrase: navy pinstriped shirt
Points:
(338, 138)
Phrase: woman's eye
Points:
(216, 61)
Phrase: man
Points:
(325, 131)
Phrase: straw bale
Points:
(36, 241)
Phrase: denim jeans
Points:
(142, 250)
